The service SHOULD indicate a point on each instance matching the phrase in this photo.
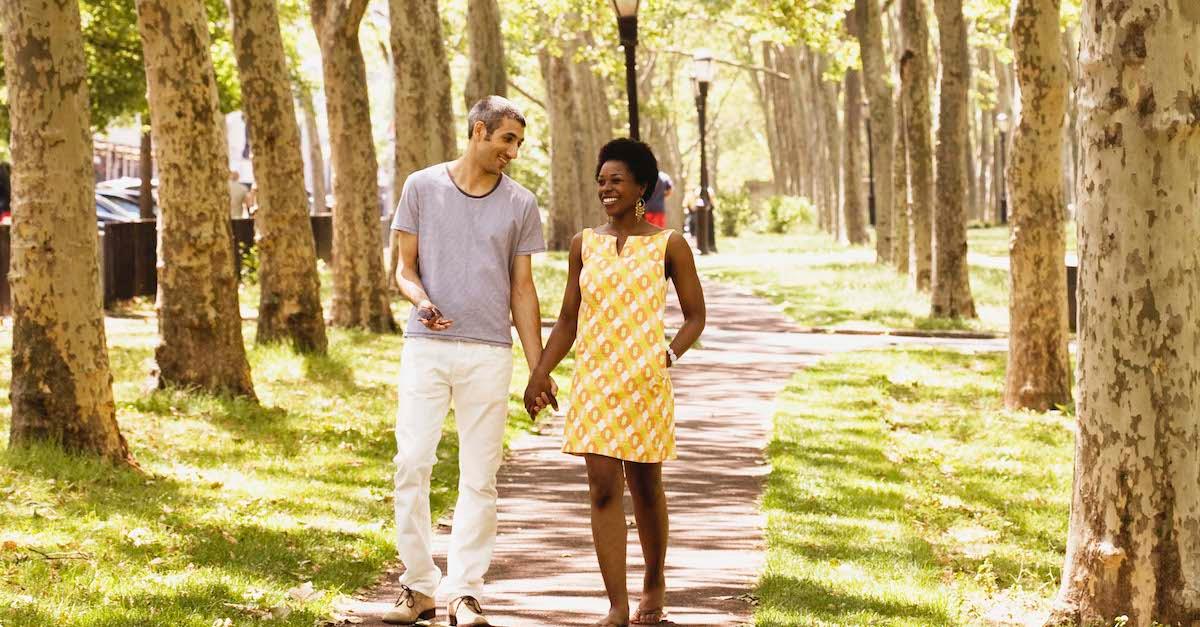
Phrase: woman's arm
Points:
(681, 267)
(562, 337)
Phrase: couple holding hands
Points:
(465, 233)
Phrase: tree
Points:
(1133, 547)
(900, 204)
(290, 301)
(879, 101)
(61, 388)
(914, 82)
(951, 278)
(854, 210)
(568, 159)
(1038, 374)
(359, 287)
(487, 76)
(424, 119)
(200, 325)
(316, 159)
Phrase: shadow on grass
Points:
(828, 605)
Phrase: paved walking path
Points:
(545, 573)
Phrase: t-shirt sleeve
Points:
(531, 240)
(407, 210)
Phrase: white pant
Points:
(476, 376)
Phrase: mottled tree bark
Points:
(829, 105)
(879, 102)
(1133, 547)
(316, 157)
(360, 297)
(424, 119)
(854, 206)
(200, 323)
(1038, 375)
(914, 81)
(290, 303)
(61, 389)
(900, 197)
(568, 163)
(951, 278)
(598, 126)
(487, 75)
(987, 130)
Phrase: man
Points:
(237, 195)
(465, 233)
(656, 207)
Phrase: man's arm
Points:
(526, 313)
(409, 279)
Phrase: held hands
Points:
(431, 317)
(539, 393)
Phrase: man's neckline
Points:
(449, 175)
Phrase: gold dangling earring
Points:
(639, 209)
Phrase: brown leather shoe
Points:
(465, 610)
(411, 607)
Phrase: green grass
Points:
(993, 240)
(821, 283)
(240, 502)
(903, 494)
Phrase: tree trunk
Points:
(360, 298)
(290, 302)
(487, 76)
(316, 158)
(1038, 375)
(61, 389)
(987, 130)
(424, 118)
(200, 323)
(951, 279)
(146, 174)
(832, 91)
(854, 209)
(567, 159)
(900, 197)
(1133, 548)
(1003, 107)
(914, 81)
(879, 101)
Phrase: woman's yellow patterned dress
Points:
(622, 403)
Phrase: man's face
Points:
(493, 153)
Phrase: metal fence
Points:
(129, 256)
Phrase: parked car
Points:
(125, 192)
(108, 211)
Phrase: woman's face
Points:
(617, 189)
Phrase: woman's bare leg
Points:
(606, 486)
(650, 511)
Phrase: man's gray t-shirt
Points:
(465, 251)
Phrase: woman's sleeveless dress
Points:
(622, 402)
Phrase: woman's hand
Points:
(539, 393)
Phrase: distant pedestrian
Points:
(656, 206)
(237, 195)
(5, 190)
(621, 416)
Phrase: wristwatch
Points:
(671, 357)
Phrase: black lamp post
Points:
(1003, 123)
(702, 76)
(627, 27)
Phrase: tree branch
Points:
(517, 88)
(744, 66)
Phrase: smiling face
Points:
(493, 152)
(617, 189)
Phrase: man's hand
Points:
(431, 317)
(539, 393)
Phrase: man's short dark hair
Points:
(636, 156)
(492, 110)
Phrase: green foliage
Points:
(783, 213)
(734, 212)
(250, 263)
(116, 76)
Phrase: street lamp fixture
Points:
(1004, 124)
(702, 76)
(627, 27)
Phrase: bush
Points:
(783, 213)
(734, 212)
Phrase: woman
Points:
(621, 417)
